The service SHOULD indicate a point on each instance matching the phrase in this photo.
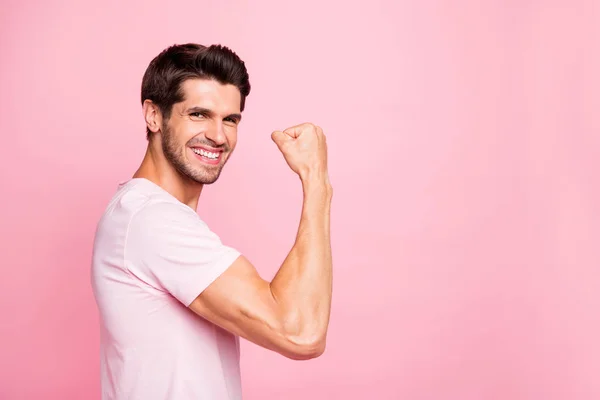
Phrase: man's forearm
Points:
(303, 285)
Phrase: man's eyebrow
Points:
(210, 113)
(236, 116)
(200, 110)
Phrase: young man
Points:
(173, 299)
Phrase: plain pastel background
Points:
(464, 141)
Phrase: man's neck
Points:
(158, 170)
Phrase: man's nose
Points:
(216, 133)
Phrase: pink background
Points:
(464, 143)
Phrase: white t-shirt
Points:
(152, 257)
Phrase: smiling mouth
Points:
(207, 156)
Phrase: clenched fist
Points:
(305, 150)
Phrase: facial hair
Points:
(176, 155)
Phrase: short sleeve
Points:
(171, 248)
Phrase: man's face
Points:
(201, 132)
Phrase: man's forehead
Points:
(208, 91)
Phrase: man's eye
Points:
(231, 120)
(196, 115)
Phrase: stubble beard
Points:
(175, 154)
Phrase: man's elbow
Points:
(302, 338)
(306, 349)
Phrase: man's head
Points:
(193, 97)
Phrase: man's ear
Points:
(152, 116)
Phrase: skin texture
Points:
(290, 314)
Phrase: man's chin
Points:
(205, 175)
(207, 180)
(210, 182)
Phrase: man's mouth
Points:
(210, 157)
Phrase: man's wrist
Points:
(316, 182)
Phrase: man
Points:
(173, 299)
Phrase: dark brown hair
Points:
(164, 76)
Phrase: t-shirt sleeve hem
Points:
(206, 278)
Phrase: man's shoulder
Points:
(150, 204)
(164, 212)
(160, 225)
(141, 202)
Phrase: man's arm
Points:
(289, 315)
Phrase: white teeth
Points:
(206, 154)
